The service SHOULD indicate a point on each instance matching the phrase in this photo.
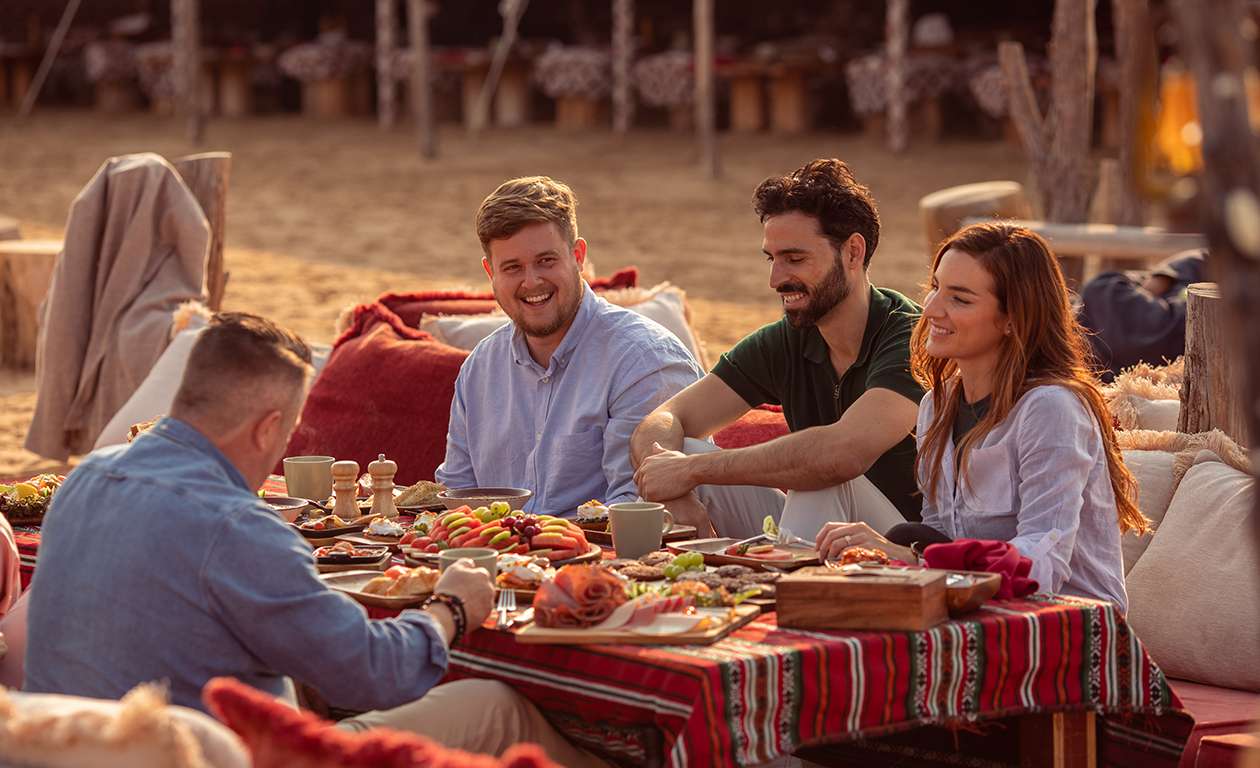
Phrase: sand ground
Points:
(322, 215)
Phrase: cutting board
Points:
(861, 598)
(532, 633)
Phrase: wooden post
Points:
(511, 12)
(54, 47)
(622, 59)
(897, 33)
(1211, 395)
(706, 112)
(1058, 740)
(421, 88)
(1139, 80)
(186, 40)
(386, 91)
(26, 268)
(1058, 144)
(206, 175)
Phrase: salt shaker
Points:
(382, 471)
(346, 485)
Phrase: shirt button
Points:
(546, 379)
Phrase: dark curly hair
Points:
(826, 190)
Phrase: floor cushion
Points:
(411, 307)
(140, 731)
(758, 426)
(1228, 751)
(1194, 596)
(386, 388)
(279, 736)
(1153, 471)
(1216, 711)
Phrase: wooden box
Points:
(861, 598)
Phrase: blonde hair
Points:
(517, 203)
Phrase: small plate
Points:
(286, 506)
(352, 582)
(714, 551)
(329, 533)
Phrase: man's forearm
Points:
(808, 460)
(659, 427)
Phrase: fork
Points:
(507, 604)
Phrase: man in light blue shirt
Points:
(548, 402)
(158, 561)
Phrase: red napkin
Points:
(984, 555)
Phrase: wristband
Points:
(456, 607)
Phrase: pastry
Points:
(656, 558)
(641, 572)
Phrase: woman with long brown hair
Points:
(1014, 440)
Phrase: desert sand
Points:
(324, 215)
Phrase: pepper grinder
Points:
(346, 486)
(382, 471)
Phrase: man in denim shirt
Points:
(548, 401)
(158, 561)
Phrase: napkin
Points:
(985, 555)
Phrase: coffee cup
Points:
(482, 557)
(309, 477)
(637, 527)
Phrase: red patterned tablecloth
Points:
(765, 691)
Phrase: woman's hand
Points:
(835, 538)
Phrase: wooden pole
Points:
(706, 112)
(50, 55)
(897, 34)
(1058, 144)
(512, 12)
(386, 90)
(421, 88)
(1139, 78)
(1211, 395)
(622, 59)
(206, 175)
(186, 39)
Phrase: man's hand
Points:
(689, 510)
(1157, 285)
(471, 585)
(664, 475)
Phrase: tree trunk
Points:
(1214, 377)
(207, 177)
(1058, 144)
(421, 88)
(386, 93)
(1139, 78)
(186, 43)
(622, 59)
(896, 33)
(706, 108)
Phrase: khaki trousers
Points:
(482, 716)
(737, 511)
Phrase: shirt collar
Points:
(815, 347)
(185, 434)
(559, 358)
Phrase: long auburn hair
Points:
(1046, 346)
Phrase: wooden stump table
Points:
(26, 268)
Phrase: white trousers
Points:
(737, 511)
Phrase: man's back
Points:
(157, 562)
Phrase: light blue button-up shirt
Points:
(158, 562)
(564, 431)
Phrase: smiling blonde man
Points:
(548, 401)
(838, 363)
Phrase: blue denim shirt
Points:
(157, 562)
(563, 432)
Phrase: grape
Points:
(530, 530)
(500, 508)
(511, 522)
(673, 571)
(531, 520)
(689, 560)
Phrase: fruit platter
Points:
(498, 526)
(592, 604)
(26, 502)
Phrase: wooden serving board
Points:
(593, 555)
(599, 535)
(380, 564)
(366, 540)
(714, 554)
(532, 633)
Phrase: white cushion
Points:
(665, 305)
(38, 729)
(1159, 415)
(1194, 596)
(155, 394)
(1153, 471)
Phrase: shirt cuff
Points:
(439, 650)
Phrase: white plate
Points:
(675, 623)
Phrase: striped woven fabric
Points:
(763, 692)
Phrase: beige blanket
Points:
(135, 249)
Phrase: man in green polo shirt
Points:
(838, 363)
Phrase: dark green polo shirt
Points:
(782, 365)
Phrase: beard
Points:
(565, 312)
(830, 291)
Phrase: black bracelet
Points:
(456, 606)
